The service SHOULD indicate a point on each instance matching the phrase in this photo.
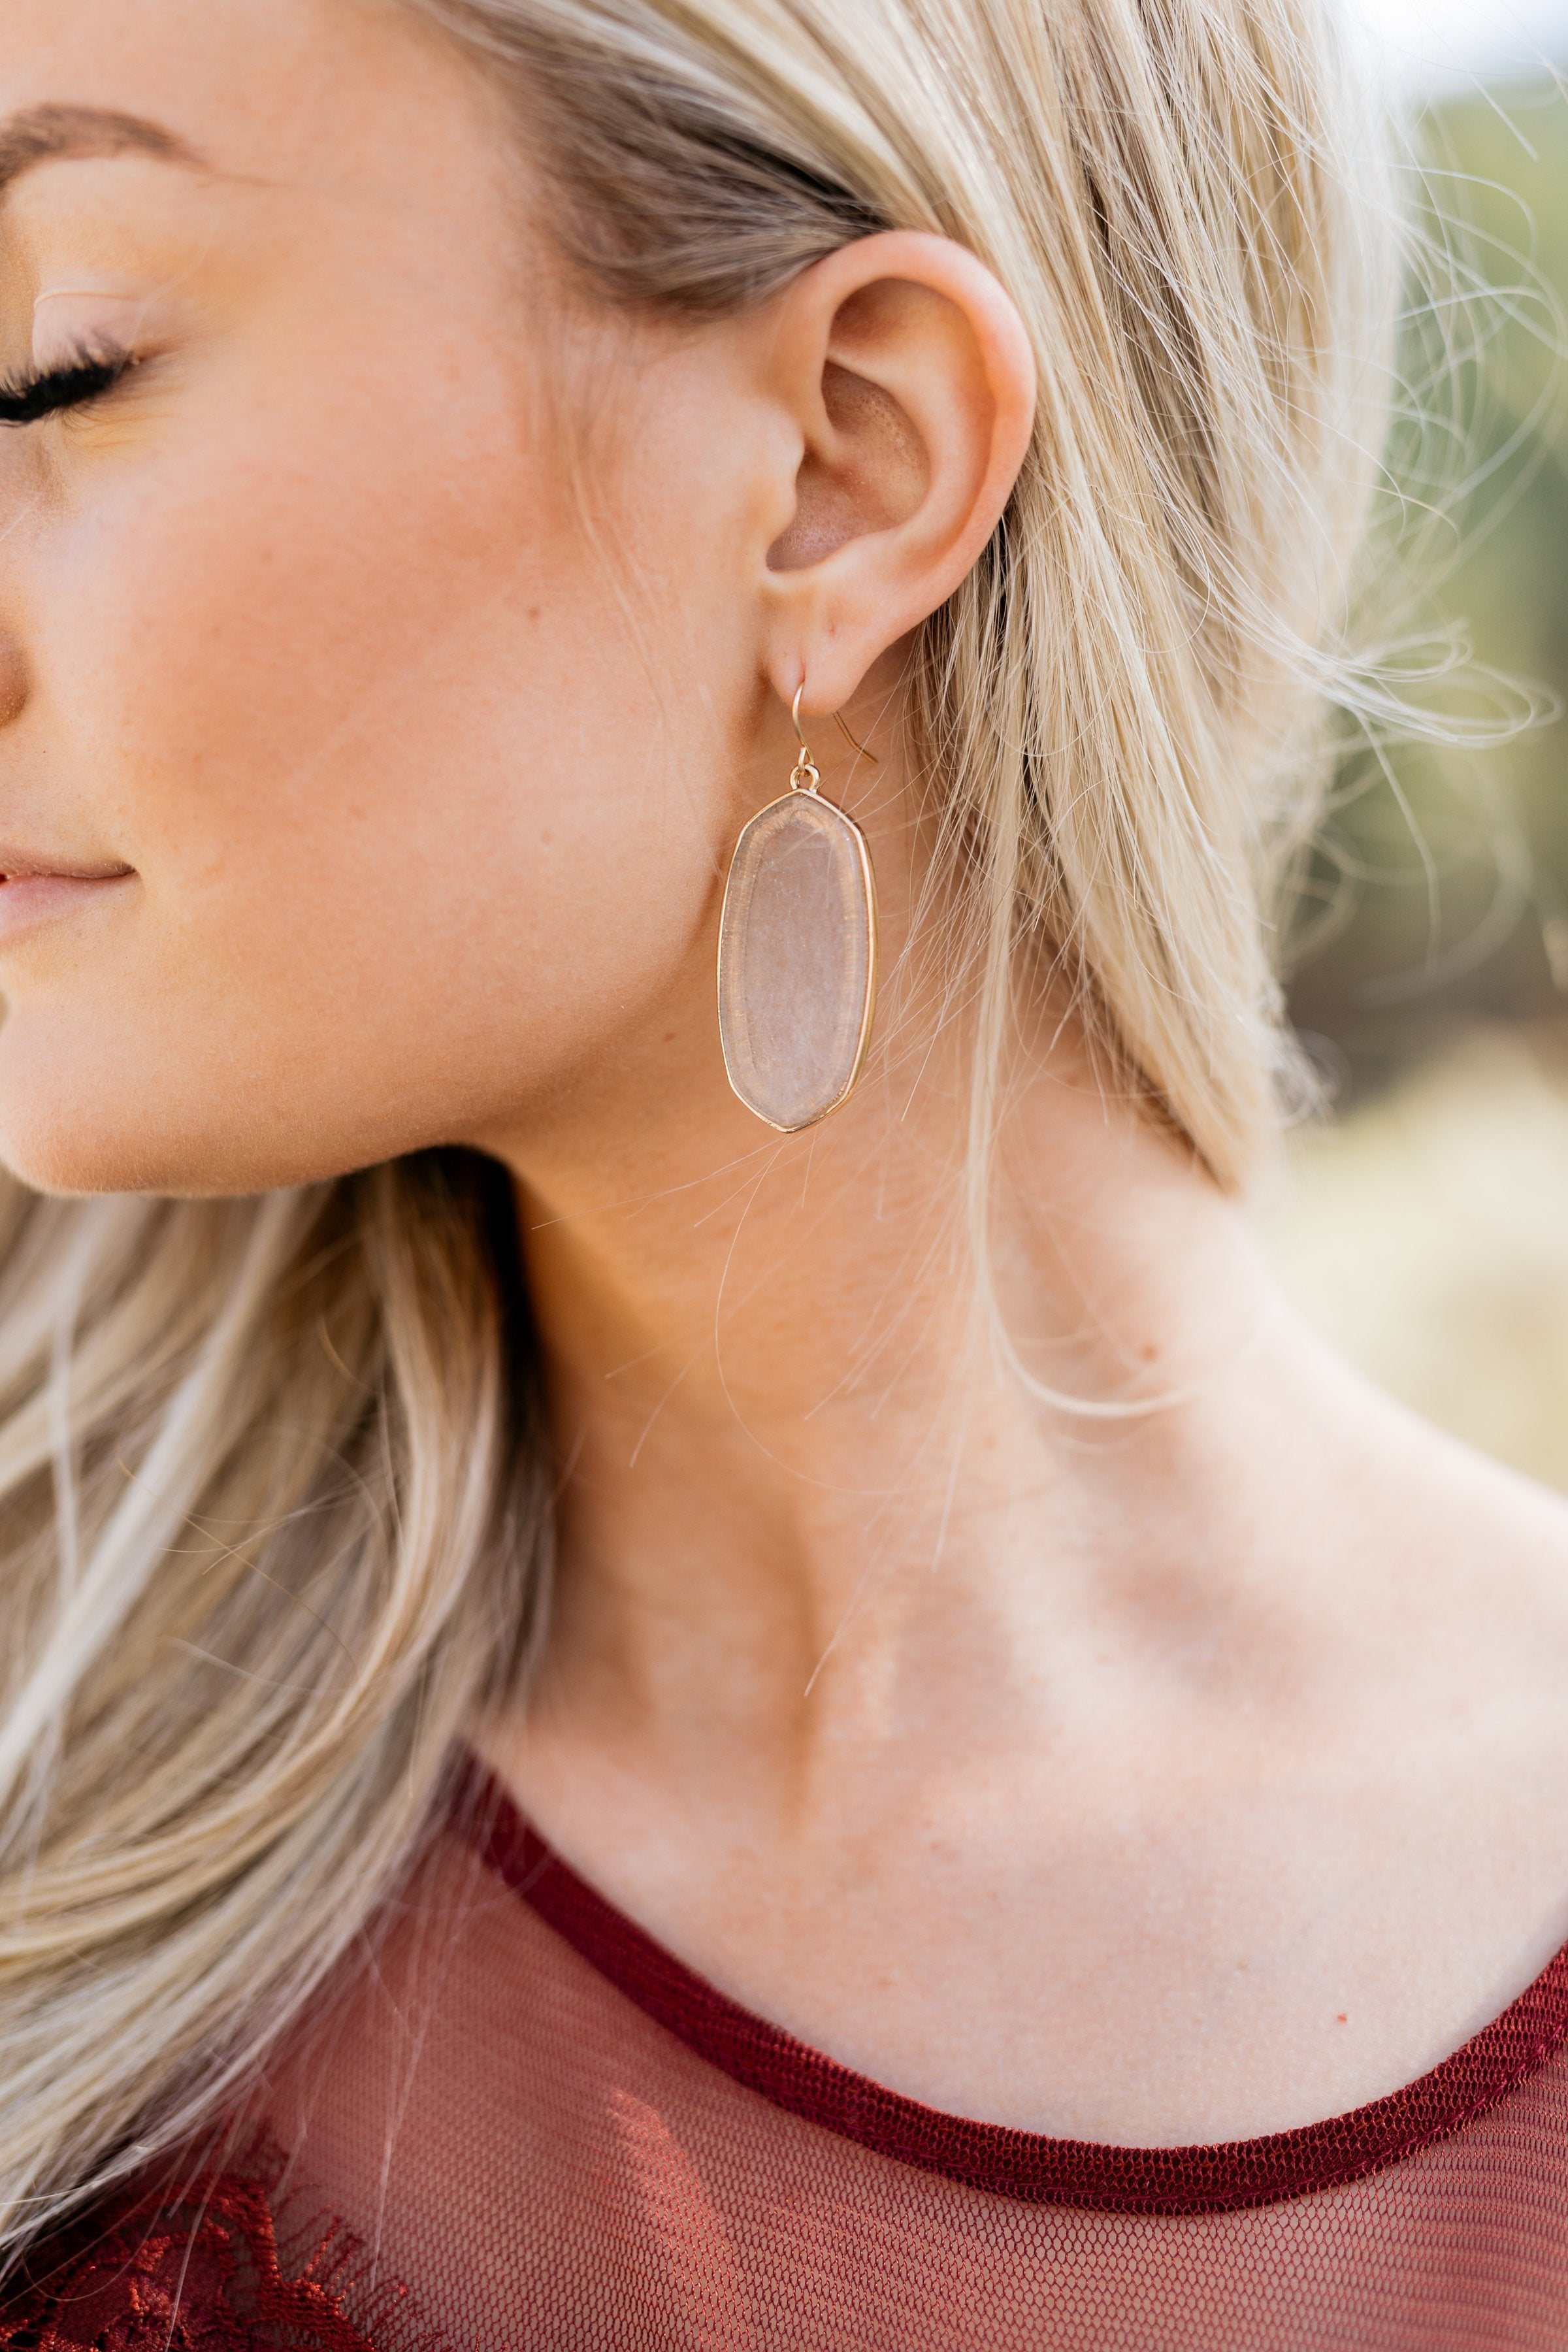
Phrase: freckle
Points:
(1148, 1351)
(535, 611)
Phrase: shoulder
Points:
(1439, 1559)
(1473, 1558)
(1441, 1689)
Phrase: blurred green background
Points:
(1426, 1226)
(1459, 867)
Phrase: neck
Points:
(977, 1739)
(806, 1495)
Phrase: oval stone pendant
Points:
(797, 960)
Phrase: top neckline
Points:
(1031, 2166)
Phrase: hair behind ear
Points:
(1124, 698)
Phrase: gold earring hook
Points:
(805, 767)
(804, 776)
(795, 716)
(864, 750)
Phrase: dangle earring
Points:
(797, 953)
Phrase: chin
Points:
(78, 1124)
(73, 1159)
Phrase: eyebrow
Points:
(42, 134)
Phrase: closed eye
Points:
(24, 399)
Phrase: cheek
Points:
(399, 784)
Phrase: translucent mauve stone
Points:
(797, 961)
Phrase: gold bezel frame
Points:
(868, 1010)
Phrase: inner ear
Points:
(867, 471)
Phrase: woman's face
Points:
(356, 791)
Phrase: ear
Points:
(911, 384)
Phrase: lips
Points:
(41, 889)
(31, 865)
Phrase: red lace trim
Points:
(1028, 2166)
(199, 2269)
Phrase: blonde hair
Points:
(275, 1489)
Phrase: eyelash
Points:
(24, 399)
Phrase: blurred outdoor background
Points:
(1426, 1226)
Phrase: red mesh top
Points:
(522, 2124)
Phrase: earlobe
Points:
(913, 387)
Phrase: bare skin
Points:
(1181, 1776)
